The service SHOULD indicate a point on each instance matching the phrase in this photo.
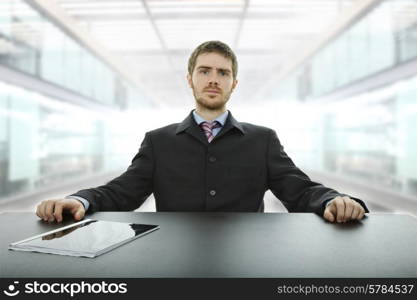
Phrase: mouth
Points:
(213, 91)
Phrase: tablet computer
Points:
(87, 238)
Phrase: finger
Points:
(330, 212)
(328, 215)
(59, 206)
(42, 209)
(340, 209)
(356, 211)
(361, 213)
(39, 211)
(349, 205)
(49, 210)
(79, 213)
(75, 208)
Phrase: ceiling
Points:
(154, 38)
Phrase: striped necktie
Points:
(208, 129)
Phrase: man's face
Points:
(212, 80)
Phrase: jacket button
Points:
(212, 193)
(212, 159)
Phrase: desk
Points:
(228, 245)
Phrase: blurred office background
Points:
(81, 81)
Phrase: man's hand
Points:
(343, 209)
(51, 210)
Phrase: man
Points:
(210, 161)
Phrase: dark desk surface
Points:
(228, 245)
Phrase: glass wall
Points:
(384, 38)
(33, 44)
(367, 47)
(368, 137)
(44, 142)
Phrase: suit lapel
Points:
(229, 125)
(196, 132)
(190, 127)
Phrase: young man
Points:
(210, 161)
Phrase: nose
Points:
(213, 79)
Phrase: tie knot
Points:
(208, 129)
(210, 125)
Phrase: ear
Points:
(234, 84)
(190, 81)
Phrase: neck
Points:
(209, 114)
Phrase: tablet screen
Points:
(86, 238)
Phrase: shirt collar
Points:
(190, 122)
(221, 119)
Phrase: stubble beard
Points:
(212, 104)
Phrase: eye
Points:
(203, 71)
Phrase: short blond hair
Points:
(209, 47)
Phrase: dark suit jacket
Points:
(232, 173)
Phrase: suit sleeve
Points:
(129, 190)
(292, 186)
